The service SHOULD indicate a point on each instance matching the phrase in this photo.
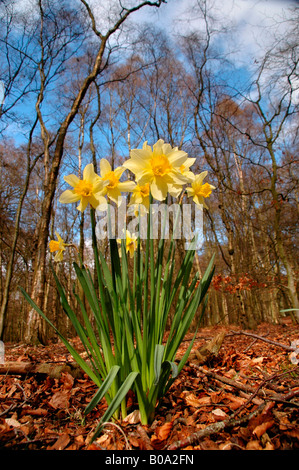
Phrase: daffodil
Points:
(131, 243)
(200, 191)
(87, 190)
(140, 199)
(59, 246)
(185, 171)
(159, 167)
(113, 186)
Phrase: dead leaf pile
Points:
(246, 398)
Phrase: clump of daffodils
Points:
(130, 302)
(159, 170)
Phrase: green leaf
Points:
(102, 390)
(158, 357)
(72, 351)
(115, 403)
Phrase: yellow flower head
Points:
(200, 191)
(141, 196)
(131, 243)
(88, 190)
(159, 167)
(185, 171)
(113, 187)
(58, 246)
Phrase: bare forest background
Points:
(84, 80)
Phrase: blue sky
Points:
(251, 26)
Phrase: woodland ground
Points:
(246, 398)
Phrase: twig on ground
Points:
(262, 338)
(214, 429)
(247, 388)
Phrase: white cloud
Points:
(252, 24)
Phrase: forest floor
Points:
(246, 398)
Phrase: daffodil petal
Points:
(105, 167)
(69, 196)
(114, 194)
(99, 185)
(89, 173)
(198, 200)
(159, 189)
(93, 201)
(103, 204)
(190, 191)
(58, 236)
(72, 180)
(177, 158)
(83, 204)
(119, 171)
(58, 256)
(178, 178)
(199, 178)
(190, 176)
(145, 177)
(158, 147)
(174, 190)
(189, 162)
(135, 166)
(126, 186)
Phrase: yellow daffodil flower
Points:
(199, 191)
(59, 246)
(131, 243)
(159, 167)
(113, 187)
(185, 171)
(140, 199)
(88, 190)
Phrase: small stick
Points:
(275, 343)
(214, 429)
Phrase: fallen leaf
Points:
(13, 422)
(132, 418)
(253, 445)
(163, 432)
(80, 440)
(225, 446)
(208, 444)
(103, 438)
(235, 402)
(145, 443)
(59, 400)
(258, 360)
(191, 400)
(293, 433)
(219, 414)
(134, 441)
(68, 380)
(293, 356)
(269, 446)
(61, 442)
(159, 439)
(37, 412)
(262, 428)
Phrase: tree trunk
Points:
(10, 265)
